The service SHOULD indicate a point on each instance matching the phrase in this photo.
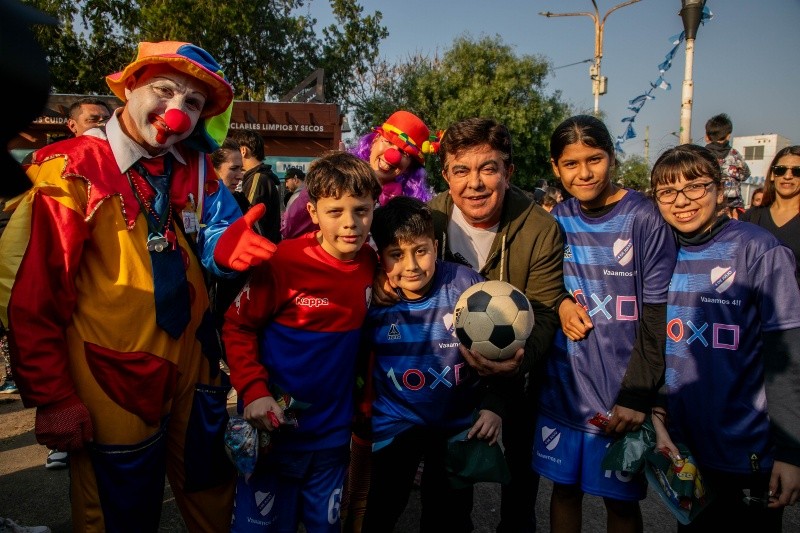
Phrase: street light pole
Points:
(598, 80)
(691, 12)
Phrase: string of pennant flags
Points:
(636, 104)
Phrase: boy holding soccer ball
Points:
(424, 391)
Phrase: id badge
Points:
(190, 222)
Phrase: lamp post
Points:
(691, 12)
(599, 82)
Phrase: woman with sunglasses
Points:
(732, 384)
(780, 208)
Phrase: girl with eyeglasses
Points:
(732, 380)
(780, 208)
(608, 356)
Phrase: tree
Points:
(266, 47)
(473, 78)
(634, 173)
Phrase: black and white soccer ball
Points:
(493, 318)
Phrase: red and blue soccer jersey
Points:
(613, 264)
(723, 295)
(297, 325)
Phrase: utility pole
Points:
(691, 12)
(599, 82)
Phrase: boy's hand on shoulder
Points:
(261, 412)
(382, 289)
(239, 247)
(492, 367)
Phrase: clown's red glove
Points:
(64, 425)
(239, 247)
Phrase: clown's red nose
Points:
(177, 120)
(393, 156)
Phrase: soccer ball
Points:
(493, 318)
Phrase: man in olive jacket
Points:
(487, 223)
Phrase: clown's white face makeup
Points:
(386, 171)
(157, 89)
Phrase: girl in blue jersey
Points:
(732, 383)
(618, 257)
(425, 392)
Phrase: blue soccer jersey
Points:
(613, 264)
(723, 295)
(420, 377)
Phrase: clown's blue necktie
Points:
(170, 287)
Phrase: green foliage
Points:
(634, 173)
(473, 78)
(266, 47)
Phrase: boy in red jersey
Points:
(300, 334)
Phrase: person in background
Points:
(303, 309)
(495, 228)
(540, 191)
(294, 180)
(733, 327)
(87, 113)
(779, 212)
(409, 422)
(396, 152)
(618, 257)
(107, 312)
(734, 168)
(552, 197)
(260, 184)
(83, 115)
(222, 290)
(227, 161)
(757, 198)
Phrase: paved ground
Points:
(33, 495)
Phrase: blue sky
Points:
(745, 59)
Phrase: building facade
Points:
(758, 151)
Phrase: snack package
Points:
(243, 444)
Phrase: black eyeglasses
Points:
(780, 170)
(693, 191)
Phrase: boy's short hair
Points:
(719, 127)
(401, 219)
(338, 173)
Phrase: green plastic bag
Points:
(627, 454)
(470, 461)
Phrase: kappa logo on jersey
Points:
(264, 502)
(550, 437)
(623, 251)
(567, 252)
(394, 333)
(722, 278)
(311, 301)
(448, 324)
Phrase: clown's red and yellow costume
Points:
(82, 323)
